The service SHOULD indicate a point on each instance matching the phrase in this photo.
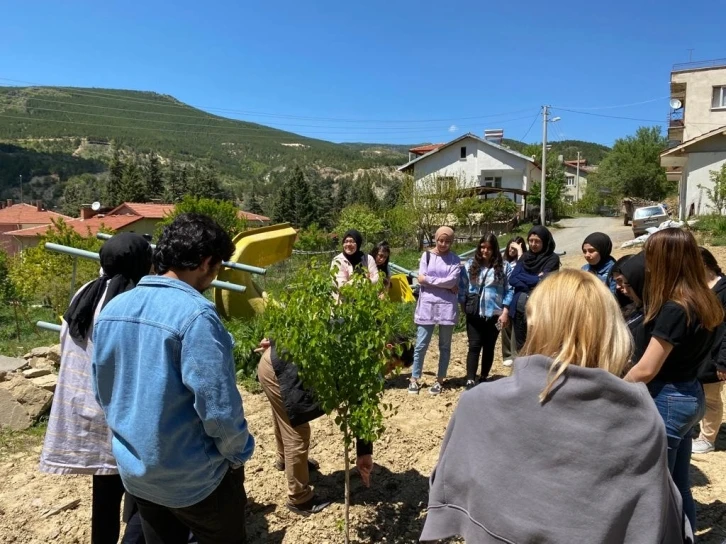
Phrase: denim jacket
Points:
(496, 295)
(163, 372)
(603, 273)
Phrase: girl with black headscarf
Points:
(629, 276)
(352, 260)
(78, 440)
(538, 261)
(597, 248)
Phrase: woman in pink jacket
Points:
(353, 259)
(438, 276)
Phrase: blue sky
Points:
(399, 72)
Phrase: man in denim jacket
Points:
(164, 376)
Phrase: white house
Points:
(479, 164)
(691, 163)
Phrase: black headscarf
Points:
(535, 263)
(357, 257)
(125, 259)
(634, 271)
(603, 245)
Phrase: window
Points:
(719, 97)
(490, 181)
(650, 211)
(463, 152)
(571, 181)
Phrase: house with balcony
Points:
(478, 166)
(696, 132)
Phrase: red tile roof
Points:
(423, 149)
(82, 227)
(147, 210)
(25, 214)
(249, 216)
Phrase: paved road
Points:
(569, 238)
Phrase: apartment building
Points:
(696, 132)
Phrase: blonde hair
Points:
(574, 319)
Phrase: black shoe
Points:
(313, 465)
(313, 506)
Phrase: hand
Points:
(455, 289)
(721, 375)
(421, 279)
(504, 319)
(364, 463)
(263, 345)
(520, 249)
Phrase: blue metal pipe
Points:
(48, 326)
(95, 256)
(229, 264)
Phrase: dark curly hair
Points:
(496, 262)
(516, 240)
(188, 240)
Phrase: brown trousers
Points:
(711, 422)
(293, 443)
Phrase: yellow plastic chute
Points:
(400, 289)
(257, 247)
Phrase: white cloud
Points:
(453, 128)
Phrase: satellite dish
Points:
(676, 104)
(96, 206)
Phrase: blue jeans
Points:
(423, 337)
(681, 405)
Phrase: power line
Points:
(360, 131)
(237, 133)
(84, 92)
(612, 107)
(632, 118)
(530, 127)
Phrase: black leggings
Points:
(106, 513)
(482, 334)
(519, 323)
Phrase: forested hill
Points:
(594, 153)
(51, 134)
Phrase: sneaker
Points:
(507, 362)
(469, 384)
(313, 506)
(413, 388)
(701, 445)
(313, 465)
(435, 389)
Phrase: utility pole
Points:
(542, 206)
(21, 188)
(577, 179)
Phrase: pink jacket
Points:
(345, 270)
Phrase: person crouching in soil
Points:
(579, 455)
(293, 407)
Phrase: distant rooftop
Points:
(699, 65)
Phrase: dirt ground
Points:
(391, 511)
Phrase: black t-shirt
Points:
(691, 343)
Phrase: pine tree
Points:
(283, 210)
(132, 187)
(154, 178)
(303, 200)
(323, 198)
(253, 204)
(364, 193)
(171, 183)
(116, 170)
(392, 196)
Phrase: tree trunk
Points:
(347, 496)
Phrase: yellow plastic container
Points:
(400, 289)
(257, 247)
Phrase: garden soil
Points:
(392, 510)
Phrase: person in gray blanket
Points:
(568, 451)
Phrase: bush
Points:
(361, 218)
(45, 276)
(713, 228)
(314, 239)
(223, 212)
(247, 334)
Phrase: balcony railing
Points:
(699, 65)
(676, 118)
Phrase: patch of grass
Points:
(22, 441)
(30, 336)
(711, 229)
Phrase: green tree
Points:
(223, 212)
(364, 193)
(361, 218)
(340, 350)
(154, 178)
(253, 203)
(392, 196)
(305, 212)
(632, 167)
(717, 193)
(322, 193)
(79, 191)
(44, 276)
(132, 188)
(116, 171)
(283, 210)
